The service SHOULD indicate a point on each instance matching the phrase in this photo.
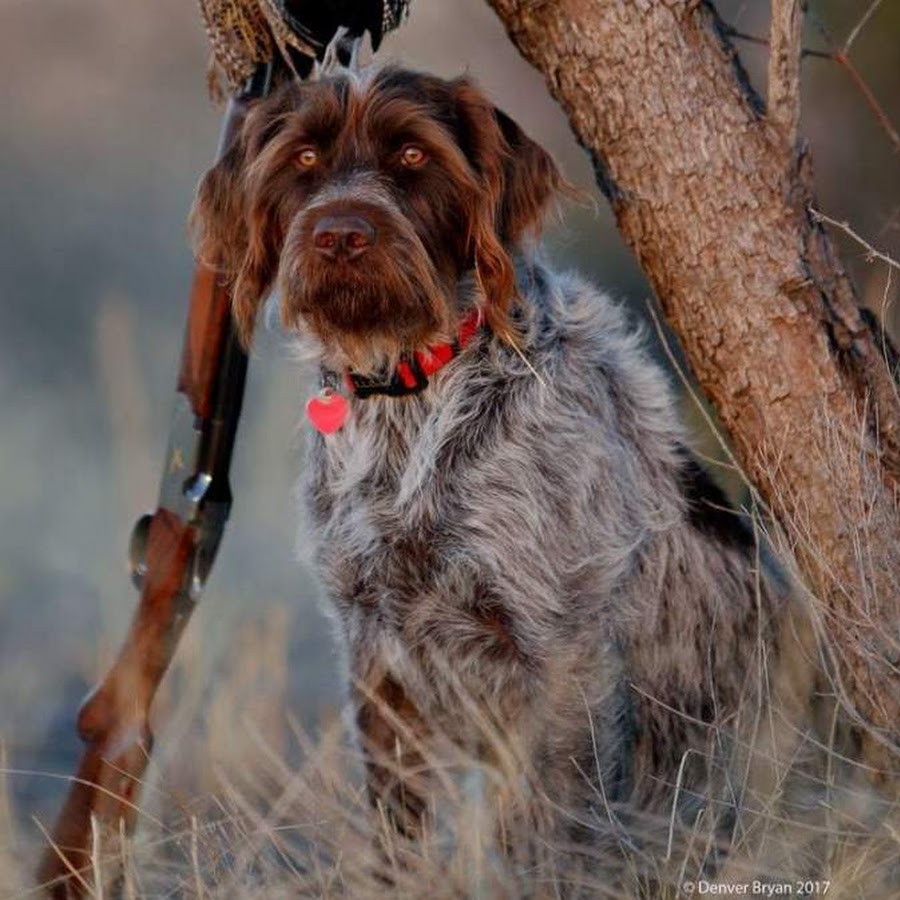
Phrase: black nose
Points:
(348, 236)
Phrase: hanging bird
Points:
(244, 33)
(317, 22)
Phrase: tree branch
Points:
(785, 48)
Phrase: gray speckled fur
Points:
(526, 542)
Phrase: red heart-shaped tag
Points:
(327, 411)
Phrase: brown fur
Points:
(488, 186)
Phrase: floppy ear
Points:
(518, 180)
(531, 181)
(227, 227)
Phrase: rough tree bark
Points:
(713, 196)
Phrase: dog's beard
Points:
(369, 312)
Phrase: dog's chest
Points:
(383, 511)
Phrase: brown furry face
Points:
(365, 200)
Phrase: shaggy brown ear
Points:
(223, 235)
(531, 181)
(518, 180)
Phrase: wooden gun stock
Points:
(113, 721)
(172, 552)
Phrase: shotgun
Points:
(171, 553)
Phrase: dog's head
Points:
(365, 199)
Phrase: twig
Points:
(701, 407)
(871, 252)
(195, 861)
(785, 38)
(73, 872)
(678, 779)
(95, 857)
(841, 56)
(885, 346)
(733, 32)
(861, 24)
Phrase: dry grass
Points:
(274, 831)
(247, 805)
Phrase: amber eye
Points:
(412, 155)
(307, 158)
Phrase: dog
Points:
(514, 537)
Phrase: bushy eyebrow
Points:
(390, 119)
(321, 117)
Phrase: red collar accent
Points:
(411, 374)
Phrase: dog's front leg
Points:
(391, 734)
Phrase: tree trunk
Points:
(713, 197)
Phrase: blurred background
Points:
(106, 128)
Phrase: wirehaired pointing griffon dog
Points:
(514, 538)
